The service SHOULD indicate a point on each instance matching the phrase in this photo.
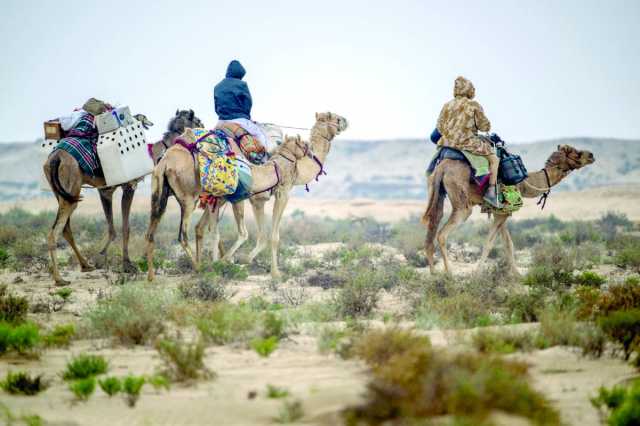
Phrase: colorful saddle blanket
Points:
(217, 164)
(251, 148)
(80, 142)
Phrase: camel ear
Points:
(317, 116)
(177, 112)
(191, 114)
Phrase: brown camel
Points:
(326, 128)
(453, 178)
(66, 180)
(177, 174)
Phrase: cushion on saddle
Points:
(251, 147)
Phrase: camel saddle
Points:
(251, 147)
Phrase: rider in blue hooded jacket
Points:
(233, 102)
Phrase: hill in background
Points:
(389, 169)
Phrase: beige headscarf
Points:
(463, 87)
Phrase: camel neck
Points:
(308, 169)
(536, 183)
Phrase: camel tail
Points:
(160, 192)
(436, 199)
(56, 185)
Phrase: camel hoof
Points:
(61, 283)
(87, 268)
(129, 267)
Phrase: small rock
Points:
(18, 280)
(252, 394)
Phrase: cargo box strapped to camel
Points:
(114, 119)
(123, 154)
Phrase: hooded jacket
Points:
(231, 96)
(461, 118)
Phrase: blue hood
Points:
(235, 70)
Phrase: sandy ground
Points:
(324, 383)
(587, 205)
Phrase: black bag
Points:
(512, 170)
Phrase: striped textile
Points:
(80, 142)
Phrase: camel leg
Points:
(65, 209)
(158, 207)
(457, 217)
(282, 198)
(243, 234)
(127, 198)
(187, 206)
(215, 228)
(201, 229)
(106, 198)
(68, 235)
(508, 244)
(257, 204)
(432, 229)
(498, 221)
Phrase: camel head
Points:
(296, 146)
(568, 158)
(184, 119)
(333, 124)
(146, 123)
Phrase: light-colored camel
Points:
(66, 180)
(328, 125)
(453, 178)
(176, 174)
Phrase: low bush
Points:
(4, 258)
(110, 385)
(617, 297)
(551, 267)
(622, 405)
(83, 388)
(60, 336)
(226, 270)
(13, 309)
(135, 314)
(526, 307)
(23, 339)
(159, 381)
(205, 288)
(290, 412)
(276, 392)
(22, 383)
(504, 342)
(629, 257)
(227, 323)
(623, 327)
(64, 293)
(359, 296)
(412, 381)
(131, 387)
(84, 366)
(590, 279)
(264, 346)
(182, 361)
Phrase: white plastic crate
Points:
(44, 149)
(123, 154)
(112, 120)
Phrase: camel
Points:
(453, 178)
(177, 174)
(66, 180)
(326, 128)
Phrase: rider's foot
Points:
(491, 197)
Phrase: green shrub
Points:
(135, 314)
(226, 270)
(504, 342)
(275, 392)
(340, 340)
(182, 361)
(290, 412)
(13, 309)
(132, 386)
(4, 258)
(23, 338)
(159, 381)
(264, 346)
(273, 326)
(21, 383)
(552, 267)
(205, 288)
(594, 303)
(590, 279)
(623, 327)
(623, 404)
(84, 366)
(110, 385)
(629, 257)
(412, 381)
(526, 307)
(359, 296)
(64, 293)
(60, 336)
(83, 388)
(228, 323)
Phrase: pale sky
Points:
(542, 69)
